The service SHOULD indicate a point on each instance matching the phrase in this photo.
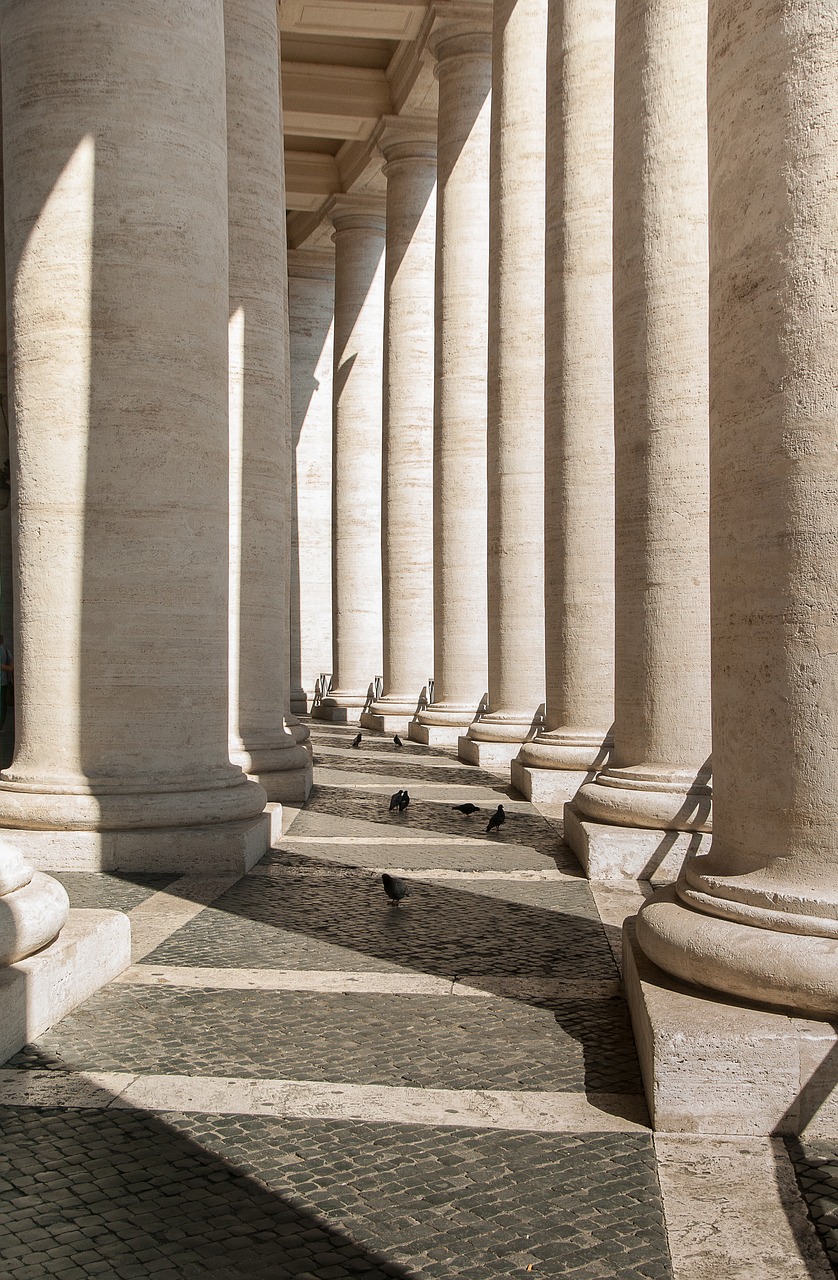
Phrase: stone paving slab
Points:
(370, 849)
(390, 1040)
(110, 890)
(238, 1198)
(443, 928)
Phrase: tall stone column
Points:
(311, 302)
(515, 412)
(579, 408)
(758, 916)
(359, 224)
(260, 475)
(116, 242)
(463, 51)
(658, 776)
(409, 148)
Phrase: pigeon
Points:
(468, 809)
(356, 741)
(497, 819)
(395, 800)
(397, 740)
(395, 888)
(404, 802)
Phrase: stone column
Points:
(409, 148)
(359, 224)
(658, 776)
(515, 411)
(311, 300)
(116, 242)
(579, 408)
(258, 391)
(758, 916)
(463, 51)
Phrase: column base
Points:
(211, 850)
(442, 724)
(494, 756)
(667, 799)
(288, 786)
(92, 948)
(377, 722)
(434, 735)
(713, 1066)
(610, 852)
(554, 787)
(336, 713)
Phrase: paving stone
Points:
(112, 890)
(816, 1166)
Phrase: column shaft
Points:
(758, 916)
(658, 776)
(116, 241)
(311, 301)
(579, 407)
(258, 390)
(409, 149)
(464, 72)
(356, 470)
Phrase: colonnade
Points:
(686, 341)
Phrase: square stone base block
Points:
(288, 786)
(494, 756)
(436, 735)
(92, 948)
(630, 853)
(337, 715)
(554, 787)
(385, 724)
(227, 847)
(714, 1066)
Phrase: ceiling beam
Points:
(361, 19)
(310, 178)
(333, 102)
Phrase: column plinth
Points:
(359, 234)
(120, 444)
(575, 737)
(658, 774)
(463, 52)
(757, 917)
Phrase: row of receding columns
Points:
(659, 446)
(146, 269)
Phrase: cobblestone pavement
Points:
(302, 1174)
(816, 1166)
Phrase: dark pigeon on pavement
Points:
(395, 800)
(397, 740)
(395, 888)
(468, 809)
(356, 741)
(497, 819)
(404, 802)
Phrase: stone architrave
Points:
(515, 388)
(116, 244)
(311, 302)
(579, 408)
(409, 149)
(259, 406)
(462, 47)
(359, 223)
(658, 775)
(757, 917)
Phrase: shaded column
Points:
(579, 407)
(658, 776)
(515, 412)
(409, 148)
(259, 393)
(117, 272)
(463, 51)
(311, 302)
(758, 916)
(359, 224)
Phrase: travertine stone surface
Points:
(116, 242)
(463, 50)
(409, 148)
(311, 302)
(770, 878)
(258, 398)
(515, 414)
(609, 852)
(658, 775)
(578, 407)
(359, 224)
